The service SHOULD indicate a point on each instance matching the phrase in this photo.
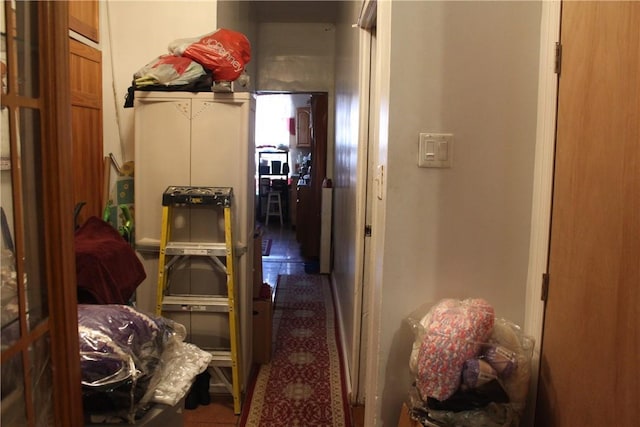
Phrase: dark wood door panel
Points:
(86, 127)
(590, 374)
(84, 18)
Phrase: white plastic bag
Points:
(168, 70)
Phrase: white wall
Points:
(238, 15)
(347, 267)
(468, 68)
(298, 57)
(132, 34)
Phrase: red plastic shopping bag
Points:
(225, 52)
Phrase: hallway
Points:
(284, 259)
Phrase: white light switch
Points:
(443, 150)
(436, 150)
(431, 150)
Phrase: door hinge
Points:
(545, 287)
(558, 62)
(367, 230)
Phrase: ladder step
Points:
(186, 195)
(220, 358)
(215, 304)
(196, 248)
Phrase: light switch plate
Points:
(436, 150)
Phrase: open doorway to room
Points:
(291, 152)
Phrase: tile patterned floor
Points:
(284, 258)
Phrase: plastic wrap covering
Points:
(13, 402)
(181, 363)
(471, 369)
(168, 70)
(120, 351)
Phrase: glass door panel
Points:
(9, 307)
(42, 381)
(13, 409)
(27, 48)
(27, 374)
(3, 52)
(33, 212)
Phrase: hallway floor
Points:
(284, 258)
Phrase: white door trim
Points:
(359, 344)
(542, 187)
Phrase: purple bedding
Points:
(120, 349)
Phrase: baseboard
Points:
(341, 337)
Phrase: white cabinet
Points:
(202, 139)
(195, 139)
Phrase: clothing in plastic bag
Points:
(225, 52)
(471, 369)
(168, 70)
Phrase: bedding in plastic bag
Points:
(471, 369)
(120, 351)
(181, 363)
(168, 70)
(225, 52)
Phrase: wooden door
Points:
(39, 359)
(86, 127)
(84, 18)
(590, 363)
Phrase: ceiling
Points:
(299, 11)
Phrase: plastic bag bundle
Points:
(181, 363)
(120, 350)
(471, 369)
(454, 335)
(477, 372)
(225, 52)
(168, 70)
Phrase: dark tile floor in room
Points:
(284, 258)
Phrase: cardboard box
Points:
(262, 327)
(405, 420)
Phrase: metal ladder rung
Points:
(224, 382)
(196, 249)
(177, 259)
(201, 303)
(221, 358)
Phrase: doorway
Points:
(291, 153)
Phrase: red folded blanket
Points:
(108, 270)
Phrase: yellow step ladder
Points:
(175, 253)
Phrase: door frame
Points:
(364, 190)
(542, 188)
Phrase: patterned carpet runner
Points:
(302, 386)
